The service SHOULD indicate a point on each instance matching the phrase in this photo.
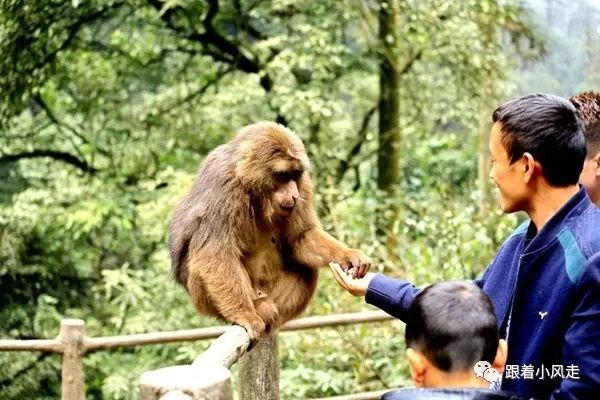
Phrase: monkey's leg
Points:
(267, 310)
(293, 290)
(227, 286)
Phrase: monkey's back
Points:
(208, 216)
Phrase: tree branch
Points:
(56, 155)
(72, 33)
(192, 95)
(60, 124)
(355, 150)
(410, 62)
(215, 44)
(246, 25)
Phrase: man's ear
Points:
(501, 354)
(596, 161)
(529, 165)
(418, 366)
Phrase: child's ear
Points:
(418, 366)
(501, 354)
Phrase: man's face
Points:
(507, 177)
(590, 177)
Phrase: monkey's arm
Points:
(311, 246)
(316, 248)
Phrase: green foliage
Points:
(108, 106)
(572, 64)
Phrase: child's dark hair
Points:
(454, 325)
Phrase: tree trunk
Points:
(388, 154)
(259, 371)
(483, 158)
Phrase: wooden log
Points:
(226, 349)
(45, 345)
(317, 321)
(111, 342)
(186, 382)
(72, 332)
(259, 371)
(140, 339)
(325, 321)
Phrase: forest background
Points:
(107, 108)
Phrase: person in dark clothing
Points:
(588, 106)
(450, 394)
(545, 279)
(450, 328)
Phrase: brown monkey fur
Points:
(246, 242)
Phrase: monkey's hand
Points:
(355, 263)
(267, 311)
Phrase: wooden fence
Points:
(167, 383)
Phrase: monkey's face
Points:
(285, 191)
(271, 166)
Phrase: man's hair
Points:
(547, 127)
(588, 106)
(453, 324)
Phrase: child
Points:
(452, 337)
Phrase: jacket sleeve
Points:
(394, 296)
(582, 340)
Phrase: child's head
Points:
(588, 106)
(451, 326)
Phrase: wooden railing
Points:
(172, 382)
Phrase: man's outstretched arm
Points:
(394, 296)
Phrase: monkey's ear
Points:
(249, 171)
(243, 162)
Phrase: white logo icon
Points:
(483, 369)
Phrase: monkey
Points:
(246, 242)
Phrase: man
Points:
(588, 105)
(545, 279)
(450, 327)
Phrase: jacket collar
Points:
(573, 207)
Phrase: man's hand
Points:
(356, 287)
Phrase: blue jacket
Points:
(554, 276)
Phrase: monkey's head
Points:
(272, 166)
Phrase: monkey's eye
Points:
(283, 176)
(286, 176)
(295, 174)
